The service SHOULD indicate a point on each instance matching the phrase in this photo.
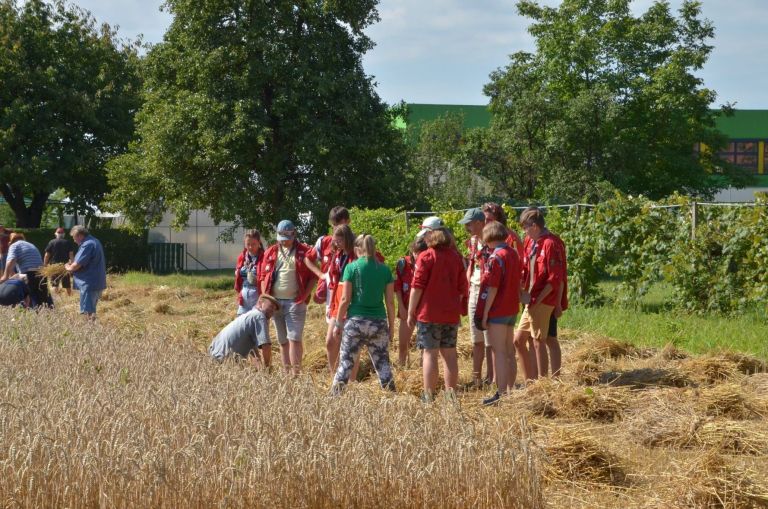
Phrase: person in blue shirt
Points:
(89, 270)
(14, 292)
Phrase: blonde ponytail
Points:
(366, 245)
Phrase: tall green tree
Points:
(68, 92)
(258, 110)
(610, 100)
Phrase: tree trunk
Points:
(26, 217)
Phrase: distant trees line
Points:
(262, 110)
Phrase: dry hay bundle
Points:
(52, 271)
(120, 303)
(734, 437)
(600, 349)
(711, 482)
(723, 366)
(673, 422)
(732, 401)
(552, 398)
(586, 372)
(671, 353)
(575, 453)
(162, 308)
(759, 384)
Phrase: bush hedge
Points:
(123, 250)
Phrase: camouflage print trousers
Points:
(373, 333)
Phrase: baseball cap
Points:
(430, 224)
(286, 230)
(59, 230)
(472, 215)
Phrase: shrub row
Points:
(720, 266)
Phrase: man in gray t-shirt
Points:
(248, 333)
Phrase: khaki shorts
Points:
(536, 322)
(476, 334)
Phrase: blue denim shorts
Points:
(503, 320)
(88, 300)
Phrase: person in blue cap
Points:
(284, 275)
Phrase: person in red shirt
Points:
(438, 299)
(541, 275)
(403, 279)
(343, 253)
(495, 212)
(322, 252)
(284, 275)
(477, 252)
(5, 237)
(498, 305)
(553, 345)
(246, 272)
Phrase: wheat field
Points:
(130, 412)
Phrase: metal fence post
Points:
(694, 219)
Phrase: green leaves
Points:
(68, 92)
(608, 101)
(260, 110)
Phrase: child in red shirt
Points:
(403, 278)
(498, 305)
(246, 272)
(438, 299)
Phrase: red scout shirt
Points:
(305, 278)
(403, 278)
(547, 268)
(502, 271)
(239, 278)
(440, 274)
(564, 274)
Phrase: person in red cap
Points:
(60, 250)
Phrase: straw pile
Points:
(552, 398)
(711, 482)
(671, 420)
(574, 454)
(721, 367)
(600, 349)
(732, 401)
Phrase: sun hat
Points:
(286, 230)
(271, 299)
(472, 215)
(430, 224)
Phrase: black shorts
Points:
(552, 332)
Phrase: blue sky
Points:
(442, 51)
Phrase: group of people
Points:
(23, 284)
(433, 286)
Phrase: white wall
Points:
(736, 195)
(201, 237)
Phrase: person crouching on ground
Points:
(367, 302)
(498, 305)
(247, 334)
(438, 299)
(23, 257)
(284, 275)
(246, 272)
(14, 292)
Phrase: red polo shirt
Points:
(502, 271)
(440, 274)
(548, 267)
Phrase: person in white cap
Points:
(284, 275)
(429, 224)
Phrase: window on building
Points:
(742, 153)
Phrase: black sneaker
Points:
(492, 400)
